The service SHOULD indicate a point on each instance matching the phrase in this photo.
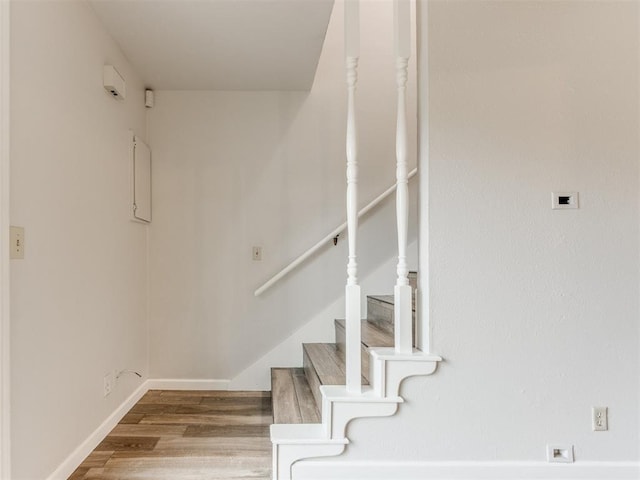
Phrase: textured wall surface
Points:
(234, 170)
(534, 310)
(78, 299)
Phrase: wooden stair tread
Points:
(293, 401)
(390, 300)
(382, 298)
(328, 363)
(296, 391)
(372, 334)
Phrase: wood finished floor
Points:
(178, 435)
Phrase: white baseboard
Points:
(335, 470)
(79, 454)
(346, 470)
(186, 384)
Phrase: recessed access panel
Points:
(141, 180)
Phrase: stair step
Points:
(380, 311)
(324, 365)
(372, 336)
(380, 307)
(413, 280)
(327, 362)
(293, 401)
(296, 391)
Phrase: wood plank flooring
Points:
(199, 435)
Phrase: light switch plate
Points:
(16, 243)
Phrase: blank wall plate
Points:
(560, 453)
(564, 200)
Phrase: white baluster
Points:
(352, 289)
(402, 290)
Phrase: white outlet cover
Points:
(599, 419)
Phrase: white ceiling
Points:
(219, 44)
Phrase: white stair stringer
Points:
(339, 407)
(388, 369)
(292, 443)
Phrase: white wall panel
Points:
(79, 297)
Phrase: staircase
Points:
(311, 406)
(360, 374)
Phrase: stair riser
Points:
(364, 351)
(382, 314)
(294, 402)
(413, 280)
(312, 378)
(284, 410)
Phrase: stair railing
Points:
(402, 291)
(352, 290)
(326, 239)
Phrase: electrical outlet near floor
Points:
(560, 453)
(109, 383)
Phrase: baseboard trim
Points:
(335, 470)
(79, 454)
(187, 384)
(68, 466)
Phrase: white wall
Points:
(78, 299)
(320, 328)
(535, 311)
(238, 169)
(5, 340)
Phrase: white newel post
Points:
(402, 290)
(352, 290)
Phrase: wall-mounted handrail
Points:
(327, 238)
